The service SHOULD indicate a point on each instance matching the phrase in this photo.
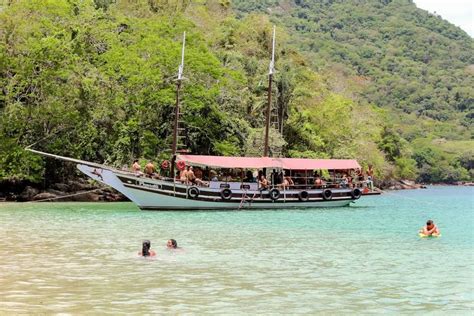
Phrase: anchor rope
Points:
(63, 196)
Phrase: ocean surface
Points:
(81, 258)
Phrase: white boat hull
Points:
(148, 194)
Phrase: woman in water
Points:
(172, 244)
(146, 252)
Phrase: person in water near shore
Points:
(172, 244)
(430, 229)
(146, 252)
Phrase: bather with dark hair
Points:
(430, 229)
(146, 252)
(172, 244)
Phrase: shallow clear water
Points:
(366, 258)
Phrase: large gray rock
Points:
(61, 187)
(86, 197)
(28, 193)
(75, 186)
(56, 192)
(408, 183)
(44, 196)
(114, 197)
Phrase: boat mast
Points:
(176, 110)
(271, 70)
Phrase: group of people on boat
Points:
(345, 179)
(284, 179)
(277, 179)
(149, 171)
(189, 177)
(146, 251)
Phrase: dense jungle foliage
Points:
(376, 80)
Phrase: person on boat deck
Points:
(198, 172)
(319, 183)
(213, 175)
(370, 171)
(275, 178)
(206, 174)
(150, 170)
(136, 168)
(192, 179)
(172, 244)
(146, 252)
(349, 179)
(262, 181)
(430, 229)
(370, 177)
(344, 181)
(183, 175)
(249, 177)
(287, 182)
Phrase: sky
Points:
(458, 12)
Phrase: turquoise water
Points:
(367, 258)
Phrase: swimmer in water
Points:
(146, 252)
(172, 244)
(430, 229)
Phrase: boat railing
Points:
(301, 183)
(336, 184)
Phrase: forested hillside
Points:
(395, 56)
(379, 81)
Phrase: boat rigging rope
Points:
(47, 136)
(63, 196)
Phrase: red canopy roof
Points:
(313, 164)
(267, 162)
(230, 162)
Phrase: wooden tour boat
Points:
(171, 193)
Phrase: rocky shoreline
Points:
(399, 185)
(78, 190)
(86, 190)
(410, 185)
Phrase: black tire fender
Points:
(193, 192)
(327, 195)
(303, 196)
(356, 193)
(274, 194)
(226, 194)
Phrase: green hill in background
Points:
(379, 81)
(392, 55)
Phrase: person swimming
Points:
(172, 244)
(146, 252)
(430, 229)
